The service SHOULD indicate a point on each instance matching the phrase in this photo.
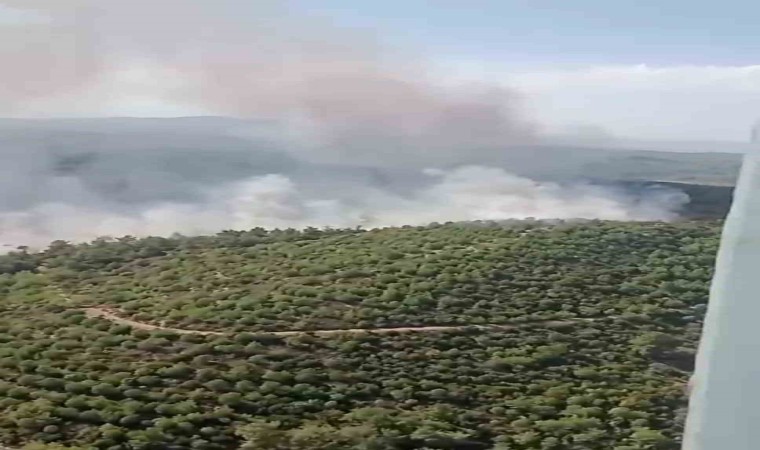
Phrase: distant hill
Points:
(131, 161)
(566, 163)
(705, 201)
(719, 169)
(234, 140)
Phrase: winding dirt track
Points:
(111, 315)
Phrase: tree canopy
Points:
(555, 335)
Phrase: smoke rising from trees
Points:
(340, 128)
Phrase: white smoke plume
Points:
(342, 95)
(275, 201)
(337, 133)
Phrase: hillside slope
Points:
(208, 149)
(538, 335)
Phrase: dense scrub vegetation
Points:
(552, 382)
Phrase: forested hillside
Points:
(514, 335)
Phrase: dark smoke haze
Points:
(339, 132)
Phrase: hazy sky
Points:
(645, 69)
(366, 94)
(557, 32)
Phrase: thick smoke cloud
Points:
(276, 201)
(339, 130)
(44, 55)
(341, 94)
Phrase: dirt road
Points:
(110, 314)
